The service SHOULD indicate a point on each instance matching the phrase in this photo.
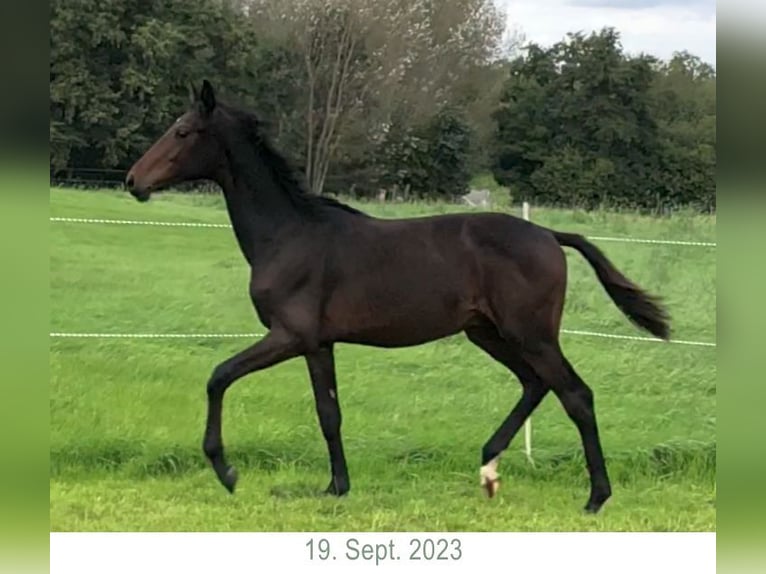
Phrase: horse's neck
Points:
(258, 215)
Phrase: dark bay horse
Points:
(324, 273)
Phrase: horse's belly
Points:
(396, 320)
(398, 336)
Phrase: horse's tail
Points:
(643, 309)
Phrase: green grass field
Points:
(127, 415)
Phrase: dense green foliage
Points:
(121, 70)
(581, 123)
(326, 76)
(432, 161)
(412, 97)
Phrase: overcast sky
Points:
(656, 27)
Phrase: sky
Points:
(656, 27)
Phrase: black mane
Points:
(285, 175)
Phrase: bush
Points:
(429, 162)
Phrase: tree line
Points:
(412, 97)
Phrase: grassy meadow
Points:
(127, 415)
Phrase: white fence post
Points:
(528, 422)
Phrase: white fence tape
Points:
(653, 241)
(634, 338)
(228, 226)
(138, 222)
(65, 335)
(155, 335)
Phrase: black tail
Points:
(643, 309)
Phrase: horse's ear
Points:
(207, 96)
(193, 95)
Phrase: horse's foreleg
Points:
(275, 347)
(321, 366)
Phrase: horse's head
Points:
(187, 151)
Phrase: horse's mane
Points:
(285, 175)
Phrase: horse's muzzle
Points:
(140, 193)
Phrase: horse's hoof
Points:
(489, 479)
(491, 486)
(592, 508)
(595, 504)
(597, 499)
(338, 487)
(229, 479)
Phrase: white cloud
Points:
(656, 27)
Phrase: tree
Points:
(432, 161)
(373, 69)
(684, 93)
(582, 123)
(335, 80)
(121, 70)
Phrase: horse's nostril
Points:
(129, 180)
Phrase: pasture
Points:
(127, 415)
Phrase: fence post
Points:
(528, 422)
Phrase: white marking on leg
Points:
(488, 472)
(490, 480)
(332, 394)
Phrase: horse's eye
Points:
(181, 133)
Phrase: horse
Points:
(324, 273)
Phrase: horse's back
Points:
(398, 282)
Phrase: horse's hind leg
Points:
(577, 399)
(533, 393)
